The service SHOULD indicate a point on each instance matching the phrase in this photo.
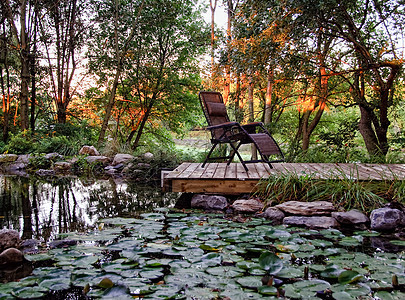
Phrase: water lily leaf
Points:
(201, 293)
(137, 286)
(343, 296)
(56, 284)
(225, 271)
(367, 233)
(153, 216)
(151, 274)
(350, 241)
(353, 290)
(208, 248)
(349, 276)
(290, 273)
(383, 295)
(105, 283)
(398, 242)
(117, 292)
(166, 292)
(332, 271)
(251, 282)
(288, 247)
(305, 289)
(270, 262)
(321, 243)
(29, 292)
(38, 257)
(267, 290)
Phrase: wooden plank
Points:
(214, 186)
(220, 171)
(241, 172)
(366, 172)
(209, 171)
(252, 172)
(198, 172)
(261, 170)
(189, 171)
(230, 172)
(176, 172)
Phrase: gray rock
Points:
(385, 219)
(62, 166)
(311, 222)
(209, 202)
(89, 150)
(9, 239)
(53, 156)
(29, 246)
(8, 158)
(11, 256)
(306, 208)
(247, 206)
(98, 159)
(143, 165)
(62, 244)
(273, 214)
(122, 158)
(148, 156)
(353, 216)
(24, 158)
(45, 172)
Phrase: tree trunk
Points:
(213, 6)
(366, 130)
(251, 114)
(227, 88)
(269, 91)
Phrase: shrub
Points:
(20, 143)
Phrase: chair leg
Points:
(209, 154)
(235, 151)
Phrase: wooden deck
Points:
(233, 179)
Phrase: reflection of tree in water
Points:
(41, 209)
(128, 199)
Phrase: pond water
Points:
(41, 209)
(129, 243)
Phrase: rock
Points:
(62, 244)
(353, 216)
(122, 158)
(384, 219)
(247, 206)
(62, 166)
(148, 156)
(273, 214)
(89, 150)
(311, 222)
(8, 158)
(306, 208)
(53, 156)
(11, 256)
(209, 202)
(29, 246)
(143, 165)
(24, 159)
(384, 244)
(45, 172)
(98, 159)
(9, 239)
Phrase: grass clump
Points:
(344, 192)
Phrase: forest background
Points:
(325, 77)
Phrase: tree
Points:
(63, 29)
(371, 30)
(159, 62)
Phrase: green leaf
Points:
(270, 262)
(349, 277)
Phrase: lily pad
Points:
(270, 262)
(349, 276)
(251, 282)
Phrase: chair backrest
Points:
(214, 110)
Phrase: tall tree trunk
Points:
(251, 113)
(269, 91)
(213, 6)
(25, 69)
(227, 88)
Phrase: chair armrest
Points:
(253, 124)
(224, 125)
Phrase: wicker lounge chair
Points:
(223, 131)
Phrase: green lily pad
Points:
(251, 282)
(349, 276)
(29, 292)
(267, 290)
(224, 271)
(270, 262)
(305, 289)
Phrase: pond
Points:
(41, 209)
(129, 243)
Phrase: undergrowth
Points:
(343, 192)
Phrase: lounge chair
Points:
(223, 131)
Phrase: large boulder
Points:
(209, 202)
(11, 256)
(89, 150)
(306, 208)
(62, 166)
(148, 156)
(54, 156)
(387, 219)
(311, 222)
(247, 206)
(9, 239)
(351, 217)
(98, 159)
(273, 214)
(122, 158)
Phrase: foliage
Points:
(20, 143)
(344, 193)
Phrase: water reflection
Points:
(41, 209)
